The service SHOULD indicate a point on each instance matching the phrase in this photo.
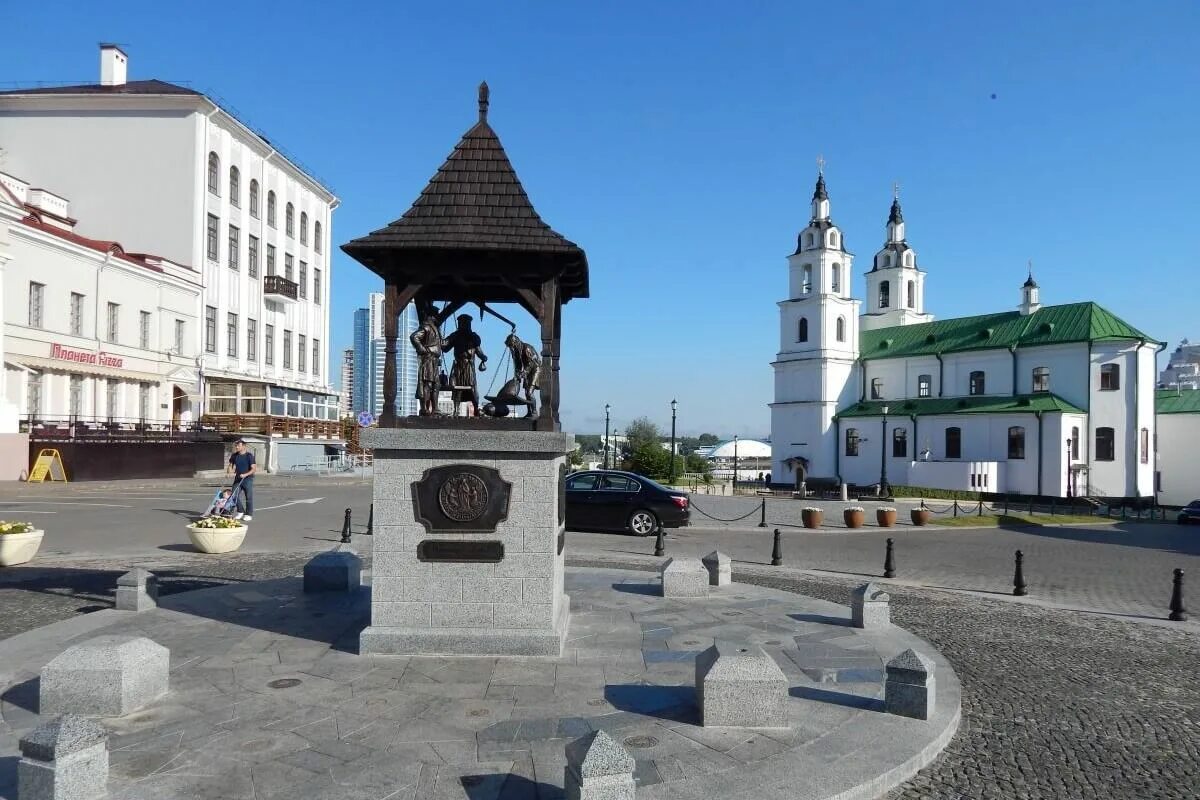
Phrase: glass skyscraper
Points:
(369, 359)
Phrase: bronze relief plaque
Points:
(461, 498)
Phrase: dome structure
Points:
(746, 448)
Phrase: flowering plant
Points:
(859, 509)
(886, 508)
(217, 523)
(15, 527)
(811, 509)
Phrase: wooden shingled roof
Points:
(474, 218)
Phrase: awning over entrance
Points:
(35, 363)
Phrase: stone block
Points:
(720, 571)
(64, 759)
(137, 590)
(334, 571)
(462, 615)
(106, 676)
(869, 607)
(405, 615)
(492, 590)
(425, 589)
(909, 688)
(598, 768)
(523, 615)
(739, 685)
(684, 577)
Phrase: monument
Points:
(469, 506)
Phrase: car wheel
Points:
(642, 523)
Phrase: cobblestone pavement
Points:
(1056, 704)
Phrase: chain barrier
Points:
(756, 509)
(930, 508)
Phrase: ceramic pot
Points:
(886, 519)
(17, 548)
(920, 516)
(216, 540)
(854, 519)
(811, 519)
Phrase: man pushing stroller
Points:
(242, 467)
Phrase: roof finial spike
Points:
(1031, 268)
(484, 94)
(896, 190)
(820, 164)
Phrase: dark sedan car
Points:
(623, 501)
(1189, 514)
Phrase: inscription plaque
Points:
(461, 498)
(460, 552)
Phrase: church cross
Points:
(820, 165)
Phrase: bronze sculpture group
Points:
(467, 347)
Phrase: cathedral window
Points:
(908, 259)
(806, 279)
(924, 385)
(885, 294)
(802, 330)
(1106, 449)
(1075, 444)
(977, 382)
(1016, 442)
(832, 239)
(876, 388)
(851, 441)
(953, 442)
(912, 294)
(1110, 377)
(1041, 379)
(841, 329)
(837, 277)
(900, 443)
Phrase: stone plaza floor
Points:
(269, 700)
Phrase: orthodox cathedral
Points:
(1053, 400)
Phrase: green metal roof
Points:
(932, 406)
(1169, 401)
(1074, 322)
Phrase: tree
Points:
(575, 459)
(697, 463)
(589, 443)
(641, 431)
(708, 439)
(651, 460)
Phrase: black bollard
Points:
(1178, 612)
(777, 550)
(660, 544)
(762, 517)
(371, 521)
(346, 528)
(1019, 576)
(889, 560)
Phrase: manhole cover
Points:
(478, 712)
(641, 742)
(596, 701)
(284, 683)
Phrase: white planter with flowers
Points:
(216, 534)
(19, 542)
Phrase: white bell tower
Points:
(816, 367)
(1031, 299)
(895, 284)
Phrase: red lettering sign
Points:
(84, 357)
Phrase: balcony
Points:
(276, 287)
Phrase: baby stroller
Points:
(222, 506)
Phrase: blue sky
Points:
(676, 142)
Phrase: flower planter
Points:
(17, 548)
(216, 540)
(920, 516)
(853, 517)
(886, 517)
(811, 517)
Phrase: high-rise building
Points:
(368, 359)
(346, 405)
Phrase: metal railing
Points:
(91, 428)
(279, 285)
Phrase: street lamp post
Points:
(883, 484)
(1070, 494)
(674, 405)
(735, 464)
(606, 418)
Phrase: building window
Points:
(144, 401)
(301, 353)
(1075, 444)
(912, 294)
(802, 330)
(876, 388)
(1016, 442)
(976, 384)
(231, 335)
(75, 397)
(214, 174)
(808, 240)
(235, 187)
(179, 330)
(900, 443)
(303, 227)
(110, 398)
(270, 259)
(271, 208)
(924, 385)
(212, 248)
(252, 257)
(251, 339)
(254, 198)
(235, 242)
(76, 314)
(114, 311)
(303, 282)
(316, 286)
(1110, 377)
(953, 442)
(144, 330)
(1144, 446)
(885, 294)
(1106, 444)
(289, 221)
(37, 297)
(33, 393)
(833, 239)
(317, 245)
(288, 270)
(269, 345)
(806, 279)
(841, 329)
(837, 278)
(851, 441)
(316, 357)
(1041, 379)
(210, 329)
(287, 349)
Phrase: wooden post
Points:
(391, 324)
(551, 326)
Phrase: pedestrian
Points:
(242, 467)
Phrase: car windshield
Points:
(1194, 505)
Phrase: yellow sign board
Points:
(49, 464)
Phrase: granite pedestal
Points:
(909, 688)
(739, 685)
(105, 676)
(137, 590)
(684, 577)
(869, 607)
(64, 759)
(334, 571)
(489, 589)
(598, 768)
(720, 568)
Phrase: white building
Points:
(1183, 370)
(985, 403)
(1178, 480)
(750, 457)
(168, 168)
